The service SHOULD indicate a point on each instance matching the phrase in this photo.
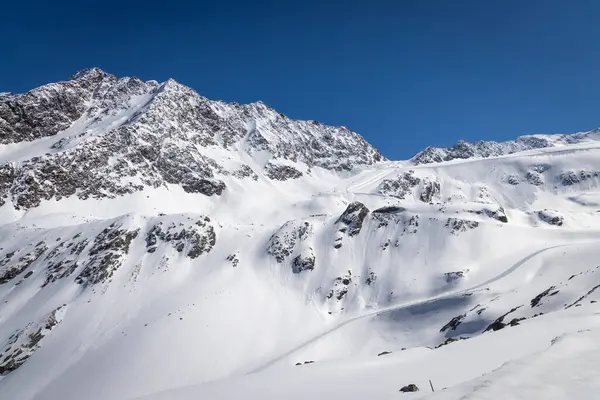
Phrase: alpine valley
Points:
(158, 245)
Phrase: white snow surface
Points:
(501, 254)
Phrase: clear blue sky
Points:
(404, 74)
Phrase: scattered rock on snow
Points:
(458, 225)
(455, 275)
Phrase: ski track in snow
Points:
(306, 343)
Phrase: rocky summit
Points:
(105, 137)
(155, 244)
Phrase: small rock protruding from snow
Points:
(551, 217)
(410, 388)
(455, 275)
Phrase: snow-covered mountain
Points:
(484, 149)
(155, 244)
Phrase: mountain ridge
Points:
(486, 149)
(152, 134)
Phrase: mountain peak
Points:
(165, 134)
(93, 73)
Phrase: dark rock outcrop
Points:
(24, 342)
(281, 172)
(353, 217)
(430, 191)
(410, 388)
(11, 269)
(455, 275)
(107, 254)
(458, 225)
(454, 323)
(499, 214)
(401, 186)
(551, 217)
(197, 238)
(304, 262)
(283, 242)
(340, 286)
(499, 322)
(548, 292)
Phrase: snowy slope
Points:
(159, 245)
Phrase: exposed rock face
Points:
(196, 237)
(454, 323)
(283, 242)
(62, 261)
(499, 322)
(10, 270)
(548, 292)
(24, 342)
(389, 210)
(340, 286)
(569, 178)
(401, 186)
(281, 172)
(118, 136)
(47, 110)
(577, 302)
(352, 218)
(499, 214)
(304, 262)
(458, 225)
(107, 254)
(430, 191)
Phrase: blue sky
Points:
(404, 74)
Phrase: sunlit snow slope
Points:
(155, 244)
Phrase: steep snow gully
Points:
(159, 245)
